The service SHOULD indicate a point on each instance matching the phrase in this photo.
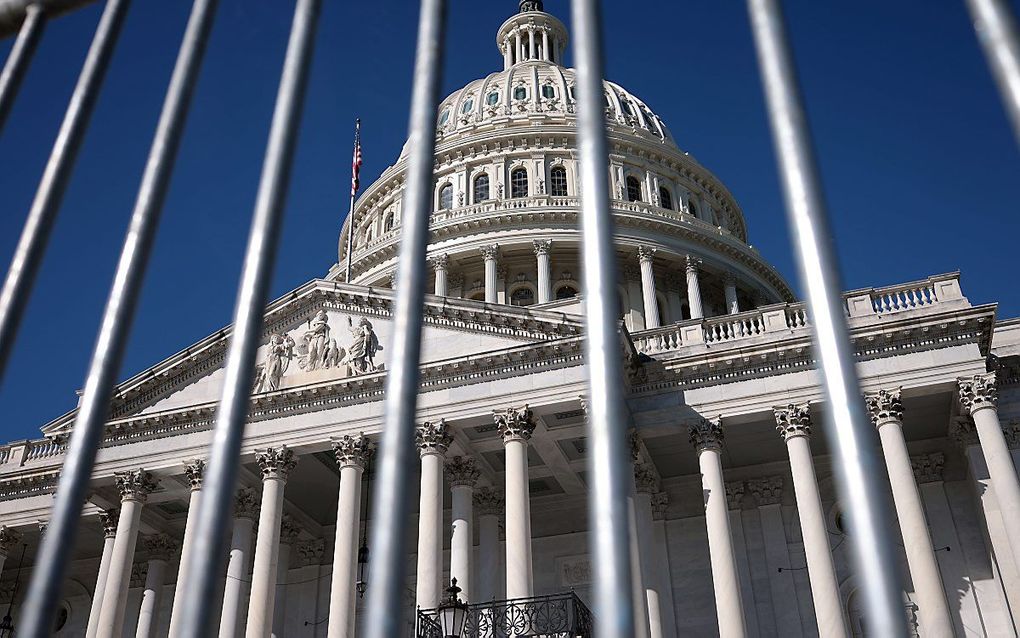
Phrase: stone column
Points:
(352, 454)
(489, 505)
(9, 537)
(694, 288)
(673, 301)
(246, 509)
(707, 436)
(645, 485)
(651, 305)
(160, 548)
(135, 487)
(635, 297)
(546, 54)
(730, 290)
(886, 411)
(439, 265)
(109, 519)
(660, 503)
(462, 475)
(194, 472)
(978, 397)
(531, 44)
(517, 46)
(289, 532)
(544, 278)
(433, 440)
(768, 496)
(276, 465)
(735, 502)
(794, 424)
(516, 427)
(491, 256)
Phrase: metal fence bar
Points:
(997, 32)
(19, 58)
(608, 457)
(387, 567)
(31, 246)
(215, 507)
(13, 12)
(87, 434)
(849, 431)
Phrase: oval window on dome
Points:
(444, 117)
(625, 105)
(468, 105)
(521, 93)
(548, 91)
(492, 99)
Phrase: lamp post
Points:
(7, 624)
(452, 612)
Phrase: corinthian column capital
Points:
(135, 485)
(461, 471)
(433, 437)
(645, 480)
(645, 253)
(767, 491)
(195, 472)
(276, 463)
(928, 467)
(490, 252)
(693, 264)
(884, 406)
(109, 519)
(439, 262)
(978, 392)
(289, 530)
(352, 450)
(541, 246)
(159, 547)
(488, 502)
(735, 494)
(246, 504)
(706, 434)
(515, 424)
(660, 503)
(793, 420)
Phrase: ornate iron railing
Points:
(558, 615)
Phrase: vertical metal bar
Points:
(608, 457)
(87, 434)
(32, 245)
(387, 568)
(849, 431)
(19, 58)
(216, 505)
(997, 32)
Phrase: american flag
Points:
(356, 163)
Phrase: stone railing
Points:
(932, 292)
(556, 616)
(17, 454)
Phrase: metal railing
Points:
(854, 453)
(559, 615)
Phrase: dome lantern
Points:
(532, 35)
(531, 5)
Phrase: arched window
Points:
(692, 208)
(492, 99)
(387, 224)
(625, 105)
(519, 183)
(444, 117)
(446, 197)
(566, 292)
(558, 181)
(548, 91)
(523, 296)
(665, 198)
(468, 105)
(633, 189)
(481, 188)
(521, 93)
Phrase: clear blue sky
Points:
(920, 167)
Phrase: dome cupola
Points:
(531, 35)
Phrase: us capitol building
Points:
(736, 524)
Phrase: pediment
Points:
(330, 332)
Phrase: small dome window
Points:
(692, 208)
(468, 105)
(548, 91)
(523, 296)
(446, 197)
(492, 99)
(521, 93)
(625, 105)
(388, 223)
(571, 92)
(558, 181)
(566, 292)
(481, 188)
(665, 198)
(633, 189)
(444, 117)
(519, 183)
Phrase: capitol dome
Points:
(505, 224)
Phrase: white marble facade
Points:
(737, 525)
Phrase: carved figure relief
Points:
(360, 357)
(315, 344)
(279, 352)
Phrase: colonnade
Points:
(473, 504)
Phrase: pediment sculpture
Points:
(317, 350)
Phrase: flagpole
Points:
(350, 213)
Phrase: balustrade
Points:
(558, 615)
